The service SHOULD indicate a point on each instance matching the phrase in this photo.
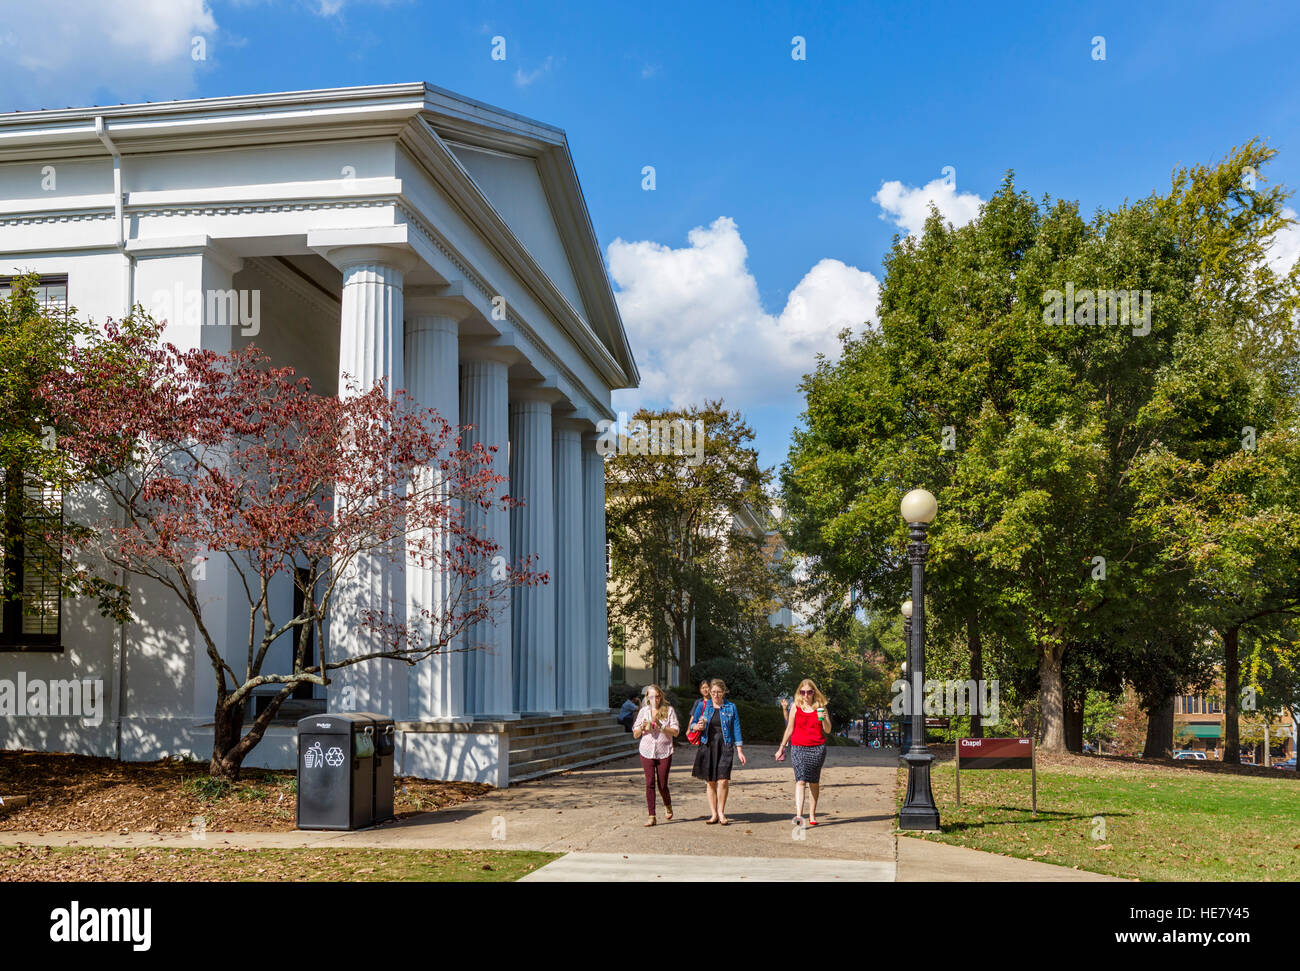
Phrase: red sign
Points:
(995, 753)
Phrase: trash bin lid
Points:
(384, 725)
(335, 723)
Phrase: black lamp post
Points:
(907, 649)
(919, 811)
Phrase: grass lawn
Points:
(359, 865)
(1161, 821)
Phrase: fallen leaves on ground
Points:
(24, 863)
(93, 794)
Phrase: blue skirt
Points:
(808, 761)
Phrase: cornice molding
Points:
(65, 216)
(197, 209)
(322, 114)
(244, 208)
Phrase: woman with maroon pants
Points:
(656, 726)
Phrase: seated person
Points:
(627, 714)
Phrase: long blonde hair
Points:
(819, 699)
(661, 713)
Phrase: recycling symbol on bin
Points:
(334, 757)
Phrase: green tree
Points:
(36, 345)
(1223, 500)
(682, 536)
(1064, 458)
(1024, 431)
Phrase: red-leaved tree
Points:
(208, 457)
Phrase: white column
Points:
(572, 667)
(594, 589)
(436, 686)
(489, 662)
(532, 533)
(370, 350)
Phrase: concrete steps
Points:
(542, 746)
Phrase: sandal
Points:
(812, 822)
(710, 822)
(797, 820)
(652, 821)
(668, 812)
(724, 822)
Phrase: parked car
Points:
(1191, 754)
(1289, 764)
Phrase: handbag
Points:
(694, 737)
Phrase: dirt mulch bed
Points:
(92, 794)
(1102, 764)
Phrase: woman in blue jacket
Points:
(719, 728)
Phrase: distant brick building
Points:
(1199, 726)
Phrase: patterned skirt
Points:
(808, 761)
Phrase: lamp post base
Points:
(919, 810)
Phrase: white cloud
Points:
(73, 53)
(524, 78)
(1285, 248)
(909, 206)
(698, 328)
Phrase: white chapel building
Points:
(397, 231)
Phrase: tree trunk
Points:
(1160, 730)
(1073, 719)
(227, 728)
(1050, 701)
(1231, 697)
(976, 672)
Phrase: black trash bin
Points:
(383, 775)
(336, 768)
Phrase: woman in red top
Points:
(806, 730)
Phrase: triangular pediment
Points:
(512, 184)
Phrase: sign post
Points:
(998, 753)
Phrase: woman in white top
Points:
(656, 726)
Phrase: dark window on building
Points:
(51, 291)
(33, 519)
(33, 514)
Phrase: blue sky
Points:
(779, 163)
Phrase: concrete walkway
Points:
(613, 867)
(597, 815)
